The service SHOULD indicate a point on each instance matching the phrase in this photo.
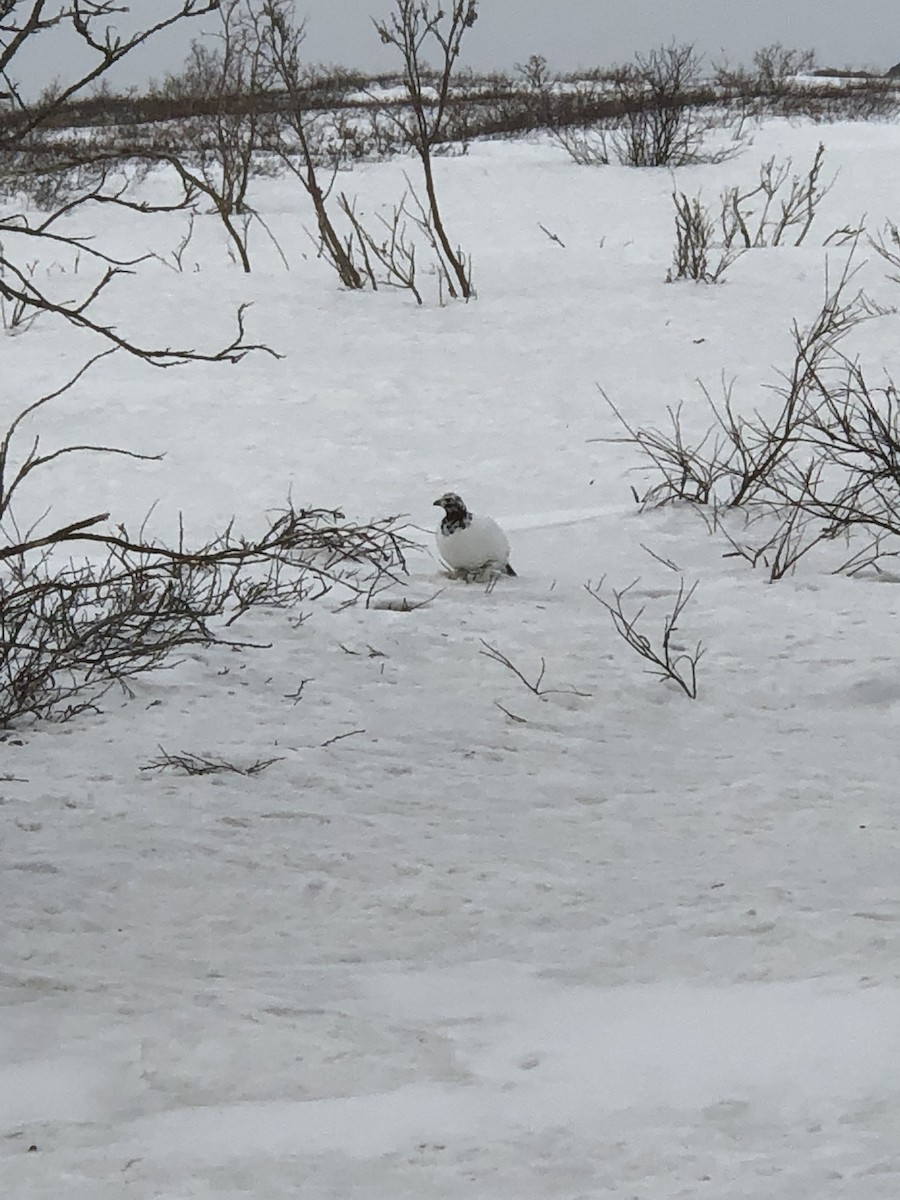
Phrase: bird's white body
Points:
(479, 546)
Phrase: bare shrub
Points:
(668, 659)
(690, 470)
(777, 211)
(217, 154)
(538, 90)
(348, 136)
(855, 429)
(93, 47)
(777, 65)
(411, 27)
(769, 215)
(659, 127)
(80, 174)
(665, 114)
(535, 72)
(586, 147)
(654, 112)
(48, 173)
(301, 150)
(739, 459)
(388, 257)
(825, 466)
(695, 254)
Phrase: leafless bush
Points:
(178, 252)
(69, 627)
(775, 224)
(654, 112)
(663, 123)
(825, 466)
(388, 257)
(412, 26)
(384, 252)
(535, 71)
(668, 660)
(517, 105)
(873, 555)
(282, 41)
(15, 314)
(782, 217)
(68, 634)
(855, 429)
(873, 100)
(858, 97)
(217, 154)
(422, 216)
(693, 471)
(696, 256)
(48, 172)
(588, 147)
(660, 129)
(92, 48)
(357, 135)
(740, 458)
(777, 65)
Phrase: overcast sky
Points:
(569, 33)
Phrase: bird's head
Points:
(452, 505)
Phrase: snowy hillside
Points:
(461, 939)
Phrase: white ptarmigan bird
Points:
(471, 546)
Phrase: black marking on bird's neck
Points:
(455, 520)
(456, 517)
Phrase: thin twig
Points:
(554, 237)
(498, 656)
(339, 737)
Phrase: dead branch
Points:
(199, 764)
(535, 688)
(554, 237)
(886, 245)
(394, 253)
(512, 716)
(69, 632)
(86, 21)
(667, 660)
(340, 737)
(403, 603)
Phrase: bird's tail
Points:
(509, 570)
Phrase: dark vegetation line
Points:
(487, 106)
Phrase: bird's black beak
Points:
(437, 504)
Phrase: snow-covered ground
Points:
(624, 945)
